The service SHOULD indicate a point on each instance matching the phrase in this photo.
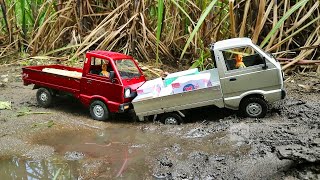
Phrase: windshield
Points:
(269, 54)
(127, 69)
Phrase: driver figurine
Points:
(104, 71)
(239, 62)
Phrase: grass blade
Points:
(244, 20)
(293, 34)
(183, 11)
(4, 12)
(232, 20)
(281, 21)
(159, 26)
(57, 174)
(259, 21)
(199, 23)
(23, 22)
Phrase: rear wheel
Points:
(171, 119)
(254, 107)
(99, 111)
(44, 97)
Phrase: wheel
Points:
(99, 110)
(171, 119)
(44, 97)
(254, 107)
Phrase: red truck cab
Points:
(107, 92)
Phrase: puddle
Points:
(128, 151)
(118, 152)
(16, 168)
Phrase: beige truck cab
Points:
(245, 78)
(260, 79)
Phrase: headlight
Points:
(127, 92)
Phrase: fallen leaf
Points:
(5, 105)
(306, 87)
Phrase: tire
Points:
(99, 111)
(171, 119)
(254, 107)
(44, 97)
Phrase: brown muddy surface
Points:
(64, 142)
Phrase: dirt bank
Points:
(63, 141)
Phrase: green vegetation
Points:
(160, 31)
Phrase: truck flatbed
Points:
(62, 72)
(60, 77)
(187, 100)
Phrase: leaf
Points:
(48, 124)
(196, 29)
(57, 174)
(281, 21)
(5, 105)
(182, 10)
(40, 57)
(159, 26)
(28, 112)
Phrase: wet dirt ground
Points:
(63, 142)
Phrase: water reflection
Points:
(17, 168)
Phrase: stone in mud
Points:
(5, 80)
(197, 133)
(73, 156)
(165, 161)
(299, 153)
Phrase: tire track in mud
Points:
(278, 144)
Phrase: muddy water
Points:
(17, 168)
(120, 150)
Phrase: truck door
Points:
(98, 83)
(242, 71)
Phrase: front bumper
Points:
(125, 107)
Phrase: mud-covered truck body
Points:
(248, 84)
(112, 91)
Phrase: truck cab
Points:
(116, 88)
(260, 77)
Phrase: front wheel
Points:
(171, 119)
(44, 97)
(254, 107)
(99, 111)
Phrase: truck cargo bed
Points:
(186, 100)
(53, 76)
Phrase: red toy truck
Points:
(101, 92)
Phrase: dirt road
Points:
(63, 141)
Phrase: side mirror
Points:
(264, 67)
(111, 76)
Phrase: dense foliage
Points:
(163, 30)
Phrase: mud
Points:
(212, 144)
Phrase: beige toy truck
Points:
(245, 78)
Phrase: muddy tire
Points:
(44, 97)
(254, 107)
(99, 111)
(171, 119)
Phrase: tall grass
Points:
(158, 31)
